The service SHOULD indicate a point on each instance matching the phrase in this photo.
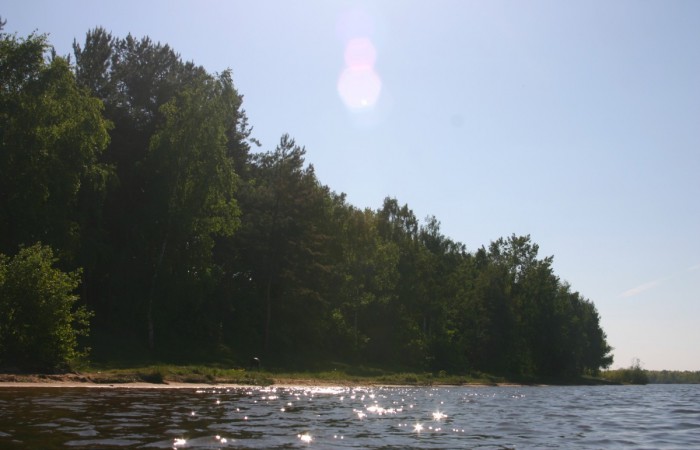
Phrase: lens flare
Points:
(359, 88)
(360, 52)
(359, 84)
(355, 22)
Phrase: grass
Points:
(168, 373)
(212, 374)
(337, 374)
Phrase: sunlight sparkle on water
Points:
(437, 415)
(383, 418)
(306, 437)
(376, 409)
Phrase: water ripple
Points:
(428, 418)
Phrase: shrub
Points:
(39, 320)
(634, 374)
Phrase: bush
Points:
(39, 320)
(634, 374)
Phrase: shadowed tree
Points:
(40, 321)
(282, 244)
(179, 134)
(51, 136)
(368, 276)
(191, 186)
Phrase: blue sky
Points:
(575, 122)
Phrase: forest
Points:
(140, 217)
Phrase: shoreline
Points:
(180, 385)
(193, 377)
(85, 381)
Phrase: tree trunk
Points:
(151, 295)
(268, 314)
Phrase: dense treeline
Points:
(636, 374)
(673, 376)
(140, 169)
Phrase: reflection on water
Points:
(447, 417)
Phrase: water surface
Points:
(655, 416)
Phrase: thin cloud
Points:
(652, 284)
(641, 288)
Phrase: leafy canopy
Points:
(39, 320)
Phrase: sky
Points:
(575, 122)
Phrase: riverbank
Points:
(156, 379)
(169, 376)
(97, 381)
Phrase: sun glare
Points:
(359, 85)
(360, 52)
(437, 415)
(306, 437)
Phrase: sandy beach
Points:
(82, 381)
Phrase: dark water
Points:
(655, 416)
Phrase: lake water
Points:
(654, 416)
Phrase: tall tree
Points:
(191, 191)
(368, 273)
(179, 135)
(51, 135)
(280, 239)
(396, 331)
(440, 263)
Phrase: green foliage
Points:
(673, 376)
(282, 249)
(193, 247)
(51, 134)
(176, 132)
(40, 320)
(192, 185)
(634, 374)
(368, 273)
